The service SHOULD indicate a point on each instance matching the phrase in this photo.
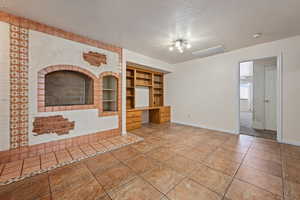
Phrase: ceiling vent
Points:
(210, 51)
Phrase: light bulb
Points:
(171, 48)
(177, 43)
(188, 45)
(180, 50)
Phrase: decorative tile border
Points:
(122, 142)
(18, 86)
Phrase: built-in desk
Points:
(158, 115)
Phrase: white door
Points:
(258, 95)
(270, 97)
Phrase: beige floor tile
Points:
(161, 153)
(206, 148)
(100, 162)
(182, 164)
(291, 190)
(266, 166)
(195, 155)
(226, 166)
(190, 190)
(292, 173)
(143, 147)
(163, 178)
(137, 189)
(115, 176)
(240, 190)
(212, 179)
(28, 189)
(265, 155)
(70, 176)
(142, 164)
(90, 191)
(229, 155)
(265, 181)
(125, 153)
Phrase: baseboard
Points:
(206, 127)
(290, 142)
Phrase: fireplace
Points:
(67, 87)
(64, 88)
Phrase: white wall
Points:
(46, 50)
(203, 92)
(137, 58)
(244, 105)
(4, 86)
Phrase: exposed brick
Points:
(52, 124)
(94, 58)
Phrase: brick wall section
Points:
(41, 89)
(19, 106)
(52, 124)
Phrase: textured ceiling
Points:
(148, 26)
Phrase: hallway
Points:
(246, 127)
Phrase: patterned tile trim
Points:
(18, 86)
(135, 139)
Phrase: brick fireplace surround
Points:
(19, 145)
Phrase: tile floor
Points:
(246, 128)
(20, 169)
(174, 162)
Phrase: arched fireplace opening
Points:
(67, 88)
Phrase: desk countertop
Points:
(146, 108)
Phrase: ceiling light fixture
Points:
(180, 45)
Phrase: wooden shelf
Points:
(109, 101)
(144, 85)
(143, 78)
(154, 80)
(109, 89)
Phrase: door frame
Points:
(279, 94)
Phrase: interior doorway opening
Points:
(258, 98)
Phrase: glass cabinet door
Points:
(110, 94)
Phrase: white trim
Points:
(123, 114)
(279, 68)
(279, 97)
(291, 143)
(205, 127)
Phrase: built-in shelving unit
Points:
(130, 85)
(137, 76)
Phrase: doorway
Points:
(258, 98)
